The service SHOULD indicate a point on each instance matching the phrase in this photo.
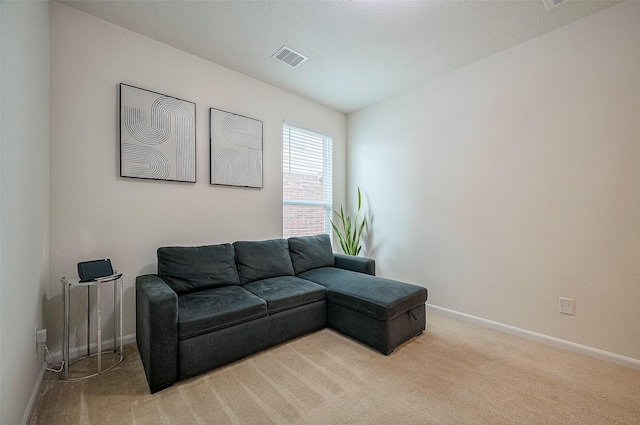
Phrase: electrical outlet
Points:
(567, 306)
(41, 336)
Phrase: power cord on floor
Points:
(48, 357)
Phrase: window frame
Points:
(327, 170)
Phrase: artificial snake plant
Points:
(351, 231)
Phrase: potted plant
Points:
(349, 235)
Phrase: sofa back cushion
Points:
(189, 269)
(310, 252)
(262, 259)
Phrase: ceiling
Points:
(360, 52)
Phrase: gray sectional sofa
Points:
(212, 305)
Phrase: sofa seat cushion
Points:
(213, 309)
(383, 299)
(259, 260)
(195, 268)
(286, 292)
(310, 252)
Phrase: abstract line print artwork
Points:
(157, 136)
(236, 149)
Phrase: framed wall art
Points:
(157, 136)
(235, 149)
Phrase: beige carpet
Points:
(455, 373)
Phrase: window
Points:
(307, 182)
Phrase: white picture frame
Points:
(157, 136)
(236, 144)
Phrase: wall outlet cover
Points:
(41, 336)
(567, 306)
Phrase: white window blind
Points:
(307, 182)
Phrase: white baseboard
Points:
(81, 350)
(34, 395)
(545, 339)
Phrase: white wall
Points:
(24, 201)
(95, 213)
(514, 181)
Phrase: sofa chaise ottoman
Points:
(211, 305)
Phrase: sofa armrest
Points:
(157, 330)
(355, 264)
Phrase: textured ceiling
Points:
(359, 52)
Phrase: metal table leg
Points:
(65, 329)
(66, 292)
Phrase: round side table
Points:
(98, 283)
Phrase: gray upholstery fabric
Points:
(310, 252)
(383, 336)
(187, 269)
(207, 311)
(259, 260)
(355, 264)
(157, 330)
(286, 292)
(380, 298)
(207, 351)
(194, 316)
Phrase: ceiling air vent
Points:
(289, 56)
(550, 4)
